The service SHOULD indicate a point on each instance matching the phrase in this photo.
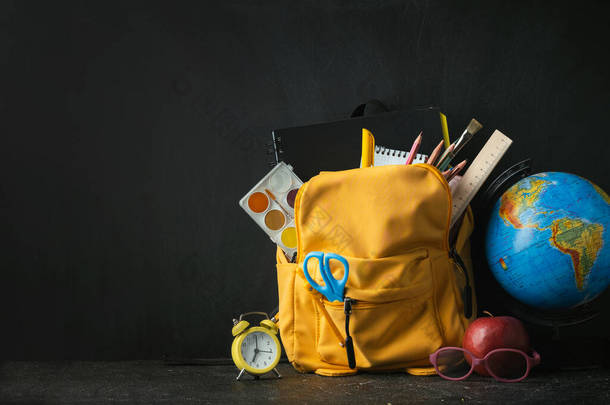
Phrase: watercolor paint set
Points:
(270, 203)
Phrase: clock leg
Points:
(277, 373)
(243, 370)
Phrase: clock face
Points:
(259, 350)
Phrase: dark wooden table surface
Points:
(156, 382)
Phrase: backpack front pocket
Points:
(391, 328)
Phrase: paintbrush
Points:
(270, 194)
(473, 127)
(435, 153)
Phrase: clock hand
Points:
(256, 348)
(265, 351)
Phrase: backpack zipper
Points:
(349, 344)
(467, 292)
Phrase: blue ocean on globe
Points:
(547, 240)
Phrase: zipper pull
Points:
(349, 344)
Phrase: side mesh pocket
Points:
(285, 284)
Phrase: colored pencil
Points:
(435, 153)
(441, 160)
(414, 149)
(456, 170)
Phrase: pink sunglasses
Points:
(504, 365)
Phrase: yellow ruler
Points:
(478, 172)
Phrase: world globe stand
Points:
(550, 323)
(554, 319)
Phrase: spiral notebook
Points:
(386, 156)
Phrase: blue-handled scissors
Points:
(332, 288)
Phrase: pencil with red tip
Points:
(456, 170)
(450, 172)
(435, 153)
(414, 149)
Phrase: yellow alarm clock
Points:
(256, 349)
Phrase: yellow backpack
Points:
(412, 291)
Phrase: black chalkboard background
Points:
(129, 131)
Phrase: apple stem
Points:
(488, 313)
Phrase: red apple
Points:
(486, 334)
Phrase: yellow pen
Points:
(368, 149)
(445, 130)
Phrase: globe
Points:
(547, 241)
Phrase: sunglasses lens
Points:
(507, 365)
(452, 363)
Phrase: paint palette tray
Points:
(271, 205)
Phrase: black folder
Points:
(337, 145)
